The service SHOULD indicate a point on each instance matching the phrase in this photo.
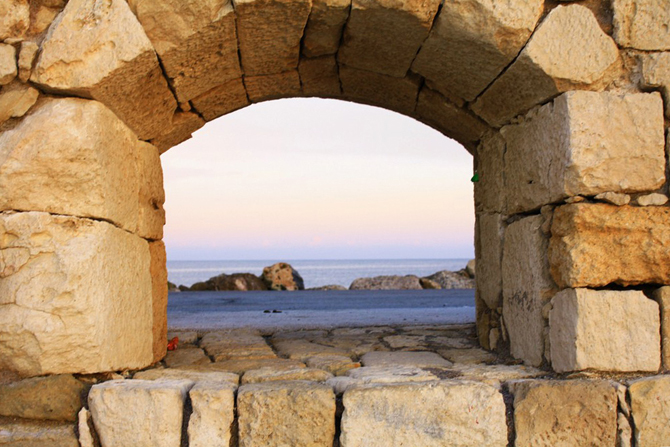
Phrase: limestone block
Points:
(277, 414)
(213, 415)
(653, 199)
(139, 413)
(274, 86)
(368, 44)
(302, 350)
(614, 198)
(495, 375)
(489, 248)
(596, 244)
(397, 94)
(43, 15)
(186, 357)
(489, 164)
(650, 402)
(188, 373)
(240, 366)
(389, 373)
(57, 398)
(221, 100)
(572, 412)
(85, 427)
(455, 122)
(92, 167)
(14, 18)
(656, 74)
(159, 294)
(182, 127)
(75, 296)
(606, 330)
(527, 287)
(269, 33)
(662, 297)
(467, 356)
(586, 139)
(99, 50)
(323, 32)
(33, 434)
(404, 358)
(26, 60)
(471, 43)
(195, 40)
(15, 100)
(642, 24)
(8, 68)
(185, 337)
(427, 414)
(320, 77)
(334, 364)
(273, 375)
(238, 349)
(555, 60)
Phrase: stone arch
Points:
(558, 103)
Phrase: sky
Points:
(317, 179)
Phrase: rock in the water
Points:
(236, 282)
(470, 268)
(329, 287)
(281, 276)
(408, 282)
(429, 284)
(453, 280)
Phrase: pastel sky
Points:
(317, 179)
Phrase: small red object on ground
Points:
(172, 344)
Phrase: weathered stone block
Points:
(221, 100)
(192, 374)
(465, 50)
(269, 33)
(323, 32)
(182, 127)
(320, 77)
(573, 412)
(455, 122)
(427, 414)
(14, 18)
(656, 74)
(606, 330)
(404, 358)
(585, 139)
(15, 100)
(33, 434)
(302, 349)
(642, 24)
(489, 164)
(151, 217)
(99, 50)
(527, 287)
(366, 47)
(650, 402)
(195, 40)
(274, 86)
(274, 375)
(555, 60)
(27, 56)
(159, 293)
(8, 68)
(489, 249)
(186, 357)
(662, 297)
(286, 413)
(75, 296)
(397, 94)
(597, 244)
(334, 364)
(57, 398)
(139, 413)
(213, 415)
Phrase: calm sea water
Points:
(315, 272)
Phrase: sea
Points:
(315, 273)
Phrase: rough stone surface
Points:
(139, 413)
(365, 48)
(269, 33)
(323, 32)
(614, 198)
(210, 424)
(495, 375)
(656, 74)
(8, 68)
(662, 297)
(525, 295)
(642, 24)
(272, 375)
(235, 281)
(159, 300)
(572, 412)
(282, 276)
(389, 374)
(193, 375)
(57, 398)
(653, 199)
(458, 123)
(397, 94)
(15, 100)
(490, 165)
(221, 100)
(606, 330)
(37, 434)
(64, 307)
(195, 40)
(472, 41)
(408, 282)
(185, 357)
(650, 402)
(596, 244)
(229, 345)
(182, 127)
(14, 18)
(403, 358)
(334, 364)
(85, 428)
(569, 165)
(99, 50)
(489, 231)
(286, 413)
(429, 414)
(27, 56)
(554, 60)
(274, 86)
(320, 77)
(240, 366)
(467, 356)
(302, 349)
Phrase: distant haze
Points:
(318, 179)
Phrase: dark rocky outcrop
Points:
(393, 282)
(234, 282)
(453, 280)
(281, 276)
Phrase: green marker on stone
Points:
(475, 178)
